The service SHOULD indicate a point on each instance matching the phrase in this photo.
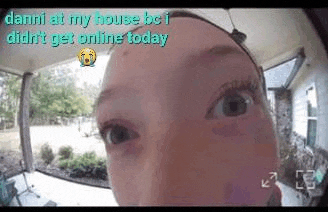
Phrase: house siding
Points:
(310, 158)
(299, 102)
(317, 76)
(322, 93)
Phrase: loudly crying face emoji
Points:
(87, 57)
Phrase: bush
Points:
(47, 154)
(289, 163)
(95, 172)
(89, 155)
(86, 165)
(101, 163)
(65, 152)
(65, 163)
(89, 159)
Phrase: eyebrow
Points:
(104, 95)
(110, 93)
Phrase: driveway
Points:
(56, 136)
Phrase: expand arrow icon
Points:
(274, 175)
(265, 184)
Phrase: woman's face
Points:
(186, 124)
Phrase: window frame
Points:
(312, 85)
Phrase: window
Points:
(311, 116)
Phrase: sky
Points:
(91, 75)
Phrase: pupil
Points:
(234, 105)
(119, 134)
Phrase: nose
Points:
(86, 60)
(176, 173)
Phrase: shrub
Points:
(101, 163)
(75, 163)
(86, 165)
(87, 159)
(63, 164)
(65, 152)
(89, 155)
(47, 154)
(66, 163)
(289, 163)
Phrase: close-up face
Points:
(186, 124)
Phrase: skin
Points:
(162, 95)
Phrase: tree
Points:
(91, 91)
(54, 93)
(9, 98)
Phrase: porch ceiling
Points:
(272, 35)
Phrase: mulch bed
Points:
(9, 163)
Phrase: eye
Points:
(118, 134)
(233, 105)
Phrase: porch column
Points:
(24, 126)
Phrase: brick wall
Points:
(283, 113)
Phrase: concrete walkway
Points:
(62, 192)
(290, 196)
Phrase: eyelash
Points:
(104, 130)
(110, 125)
(232, 88)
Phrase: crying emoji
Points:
(87, 57)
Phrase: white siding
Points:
(318, 76)
(299, 107)
(322, 93)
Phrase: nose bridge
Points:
(179, 146)
(169, 166)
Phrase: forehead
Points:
(197, 59)
(188, 39)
